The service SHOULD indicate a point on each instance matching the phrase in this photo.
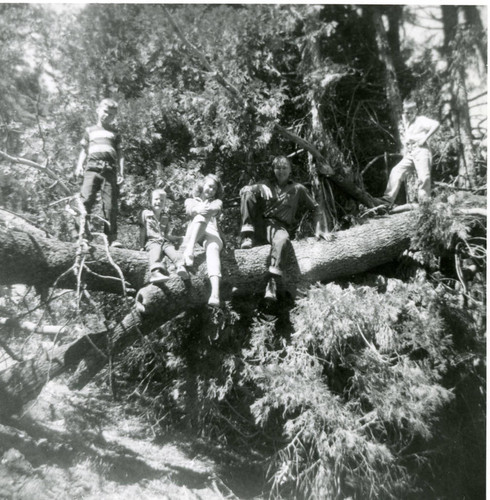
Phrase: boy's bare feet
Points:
(213, 301)
(271, 290)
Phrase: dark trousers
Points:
(104, 181)
(156, 249)
(265, 230)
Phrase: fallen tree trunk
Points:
(29, 257)
(244, 273)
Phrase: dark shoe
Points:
(271, 290)
(158, 277)
(247, 243)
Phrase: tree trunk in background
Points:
(394, 14)
(391, 81)
(456, 53)
(473, 19)
(324, 142)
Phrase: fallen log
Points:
(29, 257)
(345, 253)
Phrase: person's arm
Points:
(119, 162)
(215, 207)
(142, 222)
(260, 188)
(433, 127)
(308, 202)
(193, 207)
(120, 178)
(81, 160)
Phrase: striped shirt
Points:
(101, 143)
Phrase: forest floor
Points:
(84, 444)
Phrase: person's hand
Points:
(245, 189)
(120, 179)
(203, 209)
(421, 143)
(265, 191)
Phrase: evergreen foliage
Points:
(351, 398)
(357, 391)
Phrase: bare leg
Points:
(194, 233)
(213, 262)
(214, 297)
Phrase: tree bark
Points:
(455, 53)
(28, 256)
(391, 81)
(244, 273)
(473, 18)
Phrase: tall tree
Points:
(391, 81)
(457, 52)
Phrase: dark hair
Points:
(200, 185)
(281, 161)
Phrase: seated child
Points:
(204, 209)
(270, 212)
(154, 238)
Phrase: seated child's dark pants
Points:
(101, 176)
(266, 230)
(155, 249)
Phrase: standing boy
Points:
(416, 131)
(155, 238)
(270, 211)
(101, 150)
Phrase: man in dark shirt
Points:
(270, 211)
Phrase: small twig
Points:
(371, 346)
(384, 155)
(32, 327)
(66, 198)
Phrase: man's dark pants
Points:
(265, 230)
(105, 181)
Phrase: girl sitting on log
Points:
(204, 209)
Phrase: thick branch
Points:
(37, 166)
